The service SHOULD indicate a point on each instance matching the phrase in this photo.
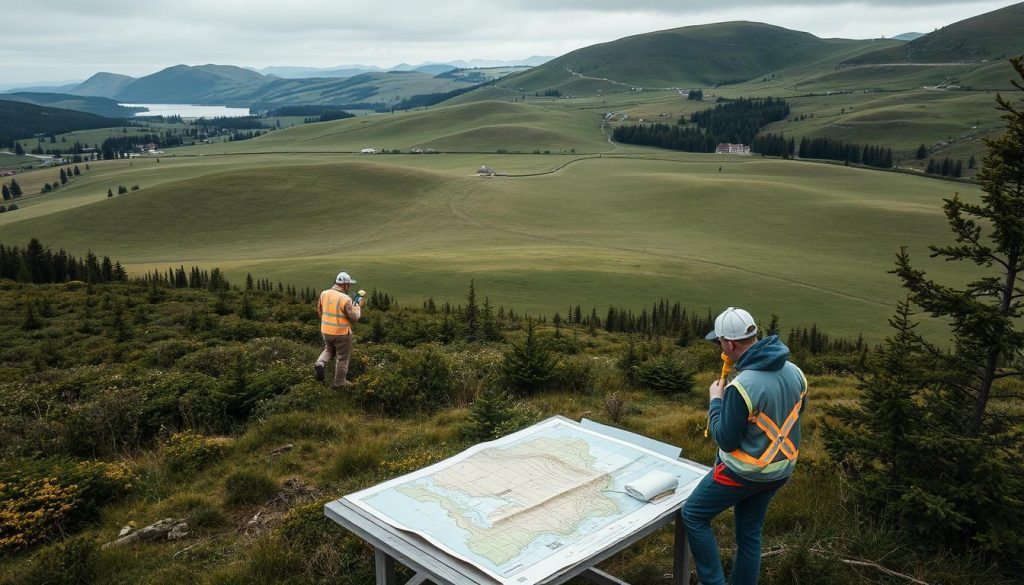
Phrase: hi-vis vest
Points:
(769, 448)
(333, 320)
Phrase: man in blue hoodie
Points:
(755, 420)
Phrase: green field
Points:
(809, 242)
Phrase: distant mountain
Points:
(910, 36)
(286, 72)
(993, 35)
(98, 106)
(103, 85)
(43, 88)
(476, 63)
(436, 69)
(20, 120)
(187, 84)
(314, 72)
(693, 56)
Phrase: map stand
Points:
(432, 565)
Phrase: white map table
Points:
(538, 506)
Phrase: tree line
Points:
(38, 264)
(120, 146)
(739, 121)
(832, 149)
(734, 122)
(946, 167)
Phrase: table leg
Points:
(385, 567)
(681, 555)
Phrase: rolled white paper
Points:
(651, 485)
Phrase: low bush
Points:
(47, 498)
(664, 373)
(246, 488)
(421, 381)
(200, 511)
(189, 452)
(575, 374)
(330, 554)
(305, 396)
(74, 561)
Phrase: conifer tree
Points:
(6, 192)
(488, 416)
(875, 438)
(922, 152)
(15, 189)
(973, 452)
(529, 366)
(472, 310)
(31, 321)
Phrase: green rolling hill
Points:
(185, 84)
(474, 127)
(103, 84)
(693, 56)
(99, 106)
(993, 35)
(19, 120)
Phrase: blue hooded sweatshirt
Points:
(774, 385)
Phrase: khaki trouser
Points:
(339, 346)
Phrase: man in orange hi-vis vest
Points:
(755, 420)
(337, 312)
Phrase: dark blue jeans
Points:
(720, 490)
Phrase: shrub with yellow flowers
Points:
(41, 500)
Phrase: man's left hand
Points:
(716, 390)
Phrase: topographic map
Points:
(527, 505)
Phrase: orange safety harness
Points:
(778, 437)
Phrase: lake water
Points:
(190, 110)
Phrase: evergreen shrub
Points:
(664, 373)
(421, 381)
(529, 366)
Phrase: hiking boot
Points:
(343, 384)
(318, 370)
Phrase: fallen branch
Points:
(882, 569)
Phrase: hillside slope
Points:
(99, 106)
(481, 126)
(185, 84)
(102, 84)
(423, 226)
(993, 35)
(23, 120)
(700, 56)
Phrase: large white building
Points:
(728, 148)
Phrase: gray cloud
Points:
(70, 39)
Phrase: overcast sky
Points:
(67, 40)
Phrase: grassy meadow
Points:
(579, 219)
(809, 242)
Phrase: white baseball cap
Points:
(733, 324)
(344, 278)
